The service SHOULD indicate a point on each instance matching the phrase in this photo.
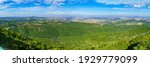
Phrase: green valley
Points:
(75, 35)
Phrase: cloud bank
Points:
(133, 3)
(123, 1)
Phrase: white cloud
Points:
(22, 1)
(133, 3)
(53, 11)
(76, 1)
(18, 1)
(42, 11)
(138, 5)
(3, 6)
(52, 2)
(29, 11)
(55, 2)
(123, 1)
(1, 1)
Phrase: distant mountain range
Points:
(69, 18)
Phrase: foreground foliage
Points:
(15, 41)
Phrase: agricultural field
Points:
(75, 35)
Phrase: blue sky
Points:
(74, 7)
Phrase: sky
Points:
(46, 8)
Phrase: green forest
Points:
(71, 35)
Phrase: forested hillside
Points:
(15, 41)
(63, 35)
(140, 43)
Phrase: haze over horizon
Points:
(48, 8)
